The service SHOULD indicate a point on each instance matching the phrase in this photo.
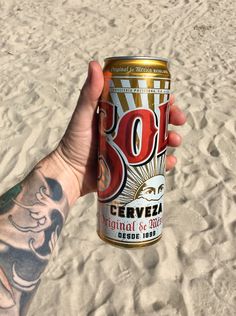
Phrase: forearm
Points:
(31, 218)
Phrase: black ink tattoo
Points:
(31, 219)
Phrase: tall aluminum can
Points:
(133, 132)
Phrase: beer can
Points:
(133, 132)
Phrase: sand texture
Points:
(45, 47)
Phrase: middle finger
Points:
(174, 139)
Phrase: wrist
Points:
(54, 166)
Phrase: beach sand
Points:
(45, 49)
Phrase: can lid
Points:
(136, 57)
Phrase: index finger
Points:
(176, 116)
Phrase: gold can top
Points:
(136, 65)
(135, 58)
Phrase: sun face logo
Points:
(145, 185)
(151, 192)
(152, 189)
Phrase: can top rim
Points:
(136, 57)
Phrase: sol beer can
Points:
(133, 123)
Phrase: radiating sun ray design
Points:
(129, 96)
(137, 175)
(157, 85)
(122, 96)
(167, 87)
(115, 99)
(144, 96)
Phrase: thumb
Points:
(83, 116)
(92, 88)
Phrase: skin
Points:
(33, 212)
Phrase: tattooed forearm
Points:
(31, 218)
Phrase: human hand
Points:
(78, 147)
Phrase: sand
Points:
(45, 48)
